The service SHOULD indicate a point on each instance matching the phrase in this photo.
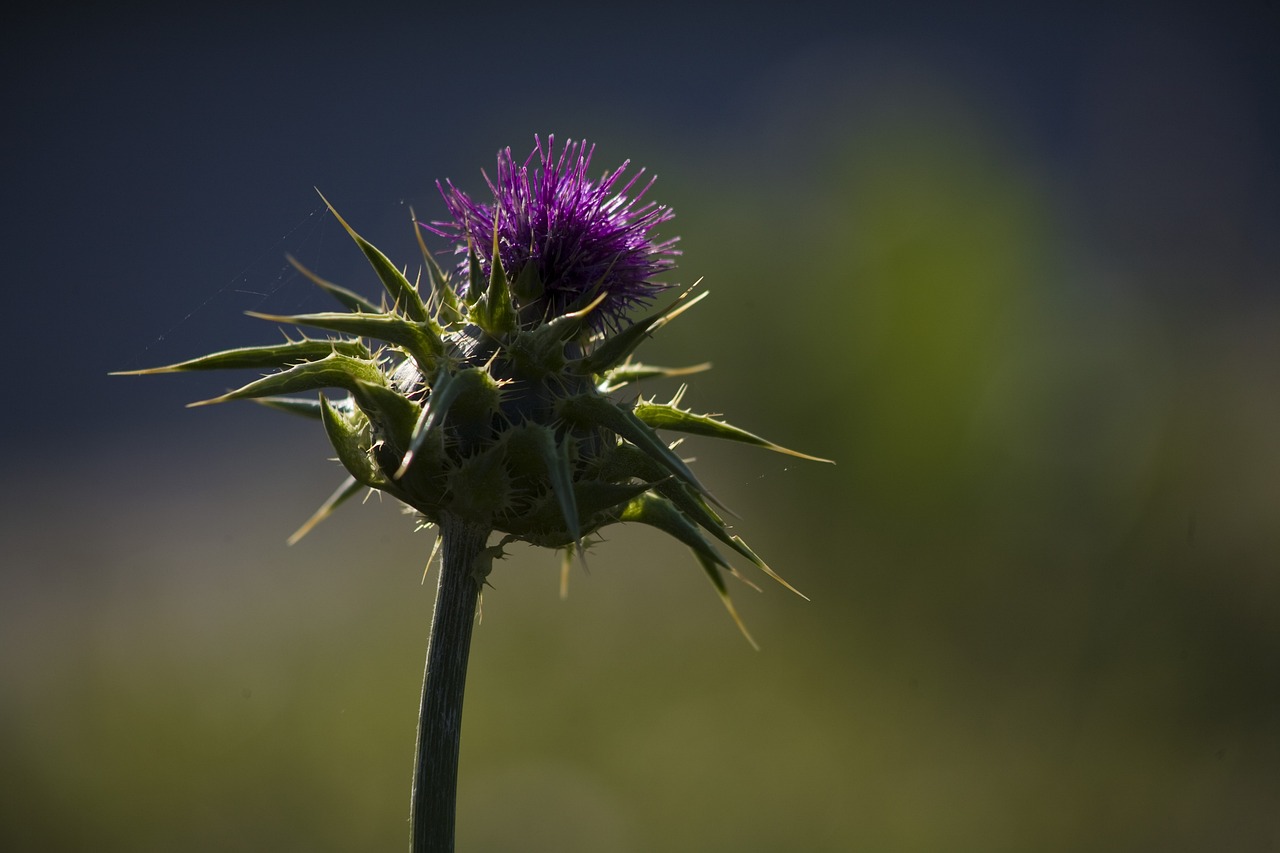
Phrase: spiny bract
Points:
(488, 398)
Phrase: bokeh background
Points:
(1017, 273)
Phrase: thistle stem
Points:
(435, 770)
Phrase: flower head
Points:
(564, 239)
(489, 399)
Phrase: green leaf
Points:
(470, 387)
(475, 275)
(340, 495)
(352, 439)
(540, 351)
(261, 358)
(697, 510)
(560, 475)
(629, 461)
(594, 410)
(613, 351)
(421, 340)
(348, 299)
(497, 311)
(528, 285)
(592, 499)
(742, 548)
(660, 513)
(666, 416)
(308, 407)
(389, 410)
(710, 569)
(404, 295)
(573, 325)
(425, 428)
(619, 376)
(332, 371)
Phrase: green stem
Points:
(435, 770)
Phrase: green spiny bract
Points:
(453, 404)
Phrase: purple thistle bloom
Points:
(562, 238)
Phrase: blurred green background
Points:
(1017, 275)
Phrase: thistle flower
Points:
(489, 396)
(563, 239)
(485, 402)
